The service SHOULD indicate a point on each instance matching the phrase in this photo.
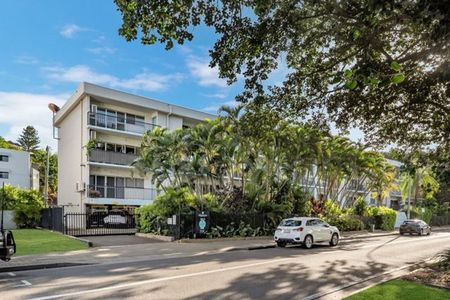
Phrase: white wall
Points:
(70, 158)
(18, 167)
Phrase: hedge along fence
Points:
(256, 224)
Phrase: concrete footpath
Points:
(153, 251)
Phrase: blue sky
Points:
(49, 47)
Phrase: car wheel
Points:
(402, 233)
(334, 240)
(281, 245)
(308, 242)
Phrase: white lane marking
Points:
(24, 283)
(136, 283)
(11, 274)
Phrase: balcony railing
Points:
(357, 187)
(395, 194)
(120, 123)
(114, 192)
(109, 157)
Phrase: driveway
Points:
(118, 240)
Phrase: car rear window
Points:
(291, 223)
(410, 222)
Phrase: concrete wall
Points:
(8, 220)
(18, 167)
(70, 157)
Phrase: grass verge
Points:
(39, 241)
(401, 289)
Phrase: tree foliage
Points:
(273, 168)
(29, 139)
(39, 159)
(380, 65)
(8, 144)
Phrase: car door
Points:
(324, 230)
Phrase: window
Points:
(311, 223)
(4, 175)
(131, 119)
(154, 120)
(140, 121)
(130, 150)
(4, 157)
(320, 223)
(291, 223)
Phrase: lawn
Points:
(37, 241)
(401, 289)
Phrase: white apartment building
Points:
(99, 176)
(16, 169)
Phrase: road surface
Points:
(279, 273)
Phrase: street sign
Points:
(201, 223)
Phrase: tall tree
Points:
(29, 139)
(380, 65)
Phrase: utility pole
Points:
(47, 170)
(409, 199)
(3, 202)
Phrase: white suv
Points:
(305, 231)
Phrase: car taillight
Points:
(299, 229)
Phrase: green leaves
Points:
(399, 78)
(351, 84)
(395, 66)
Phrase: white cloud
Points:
(69, 30)
(26, 60)
(21, 109)
(102, 50)
(206, 75)
(216, 95)
(146, 81)
(214, 108)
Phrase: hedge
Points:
(384, 217)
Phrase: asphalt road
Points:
(280, 273)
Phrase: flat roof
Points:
(86, 88)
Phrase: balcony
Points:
(119, 123)
(109, 157)
(121, 193)
(357, 187)
(396, 194)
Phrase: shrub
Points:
(346, 223)
(360, 207)
(384, 217)
(27, 205)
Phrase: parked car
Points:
(116, 218)
(95, 218)
(305, 232)
(415, 226)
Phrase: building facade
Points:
(99, 135)
(16, 169)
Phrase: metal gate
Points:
(52, 218)
(99, 223)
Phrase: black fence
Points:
(440, 220)
(99, 223)
(52, 218)
(186, 228)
